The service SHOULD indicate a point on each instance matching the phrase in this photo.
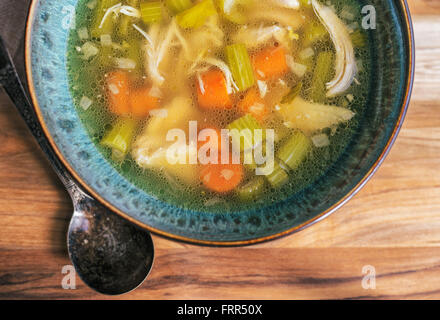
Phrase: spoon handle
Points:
(10, 81)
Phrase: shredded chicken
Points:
(119, 8)
(345, 66)
(286, 17)
(254, 37)
(311, 117)
(150, 147)
(210, 35)
(160, 40)
(203, 64)
(157, 47)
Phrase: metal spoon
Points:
(110, 255)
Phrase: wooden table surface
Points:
(393, 224)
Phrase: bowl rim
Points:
(403, 111)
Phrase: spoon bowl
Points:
(109, 254)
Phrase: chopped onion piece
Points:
(257, 108)
(159, 113)
(83, 33)
(321, 140)
(261, 74)
(89, 50)
(106, 40)
(262, 86)
(306, 53)
(91, 4)
(85, 103)
(113, 88)
(297, 68)
(125, 63)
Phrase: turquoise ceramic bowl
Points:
(392, 69)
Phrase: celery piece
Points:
(305, 3)
(196, 16)
(294, 150)
(242, 132)
(151, 12)
(119, 138)
(108, 25)
(314, 32)
(296, 90)
(123, 26)
(278, 177)
(106, 56)
(133, 52)
(358, 39)
(309, 63)
(235, 12)
(321, 75)
(241, 67)
(126, 21)
(251, 190)
(177, 6)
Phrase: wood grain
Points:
(424, 7)
(393, 224)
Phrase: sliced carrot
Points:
(212, 91)
(142, 102)
(253, 104)
(270, 63)
(221, 178)
(118, 89)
